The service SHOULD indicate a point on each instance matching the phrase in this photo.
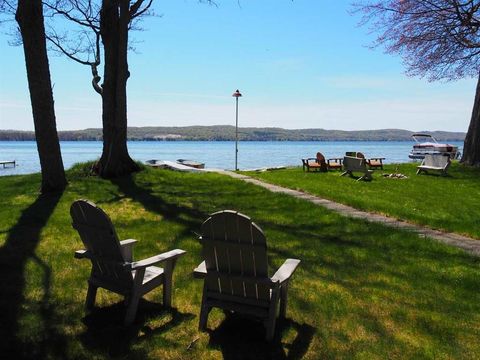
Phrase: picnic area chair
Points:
(356, 164)
(373, 163)
(315, 164)
(434, 162)
(334, 163)
(235, 270)
(113, 267)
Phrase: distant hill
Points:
(227, 132)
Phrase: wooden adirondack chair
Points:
(317, 163)
(373, 163)
(235, 270)
(356, 164)
(334, 163)
(435, 162)
(113, 267)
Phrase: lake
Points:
(215, 154)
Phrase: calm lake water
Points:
(215, 154)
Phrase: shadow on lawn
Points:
(242, 338)
(106, 333)
(22, 240)
(190, 217)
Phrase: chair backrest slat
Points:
(320, 158)
(354, 164)
(234, 245)
(100, 239)
(440, 161)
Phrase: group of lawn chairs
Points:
(350, 163)
(234, 270)
(356, 162)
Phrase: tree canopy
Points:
(437, 39)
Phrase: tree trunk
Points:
(29, 17)
(471, 147)
(114, 20)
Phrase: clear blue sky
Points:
(299, 64)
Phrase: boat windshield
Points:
(420, 138)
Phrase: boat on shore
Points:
(427, 144)
(191, 163)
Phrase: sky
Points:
(299, 64)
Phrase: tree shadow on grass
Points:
(22, 240)
(106, 333)
(191, 218)
(239, 337)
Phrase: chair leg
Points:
(167, 283)
(283, 300)
(202, 325)
(132, 309)
(272, 315)
(270, 323)
(134, 297)
(91, 294)
(204, 311)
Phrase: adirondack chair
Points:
(436, 162)
(334, 163)
(235, 270)
(373, 163)
(356, 164)
(317, 163)
(113, 267)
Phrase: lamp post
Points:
(236, 95)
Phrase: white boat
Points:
(191, 163)
(427, 144)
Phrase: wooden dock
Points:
(5, 163)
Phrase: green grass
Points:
(363, 291)
(448, 203)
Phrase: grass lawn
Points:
(448, 203)
(363, 291)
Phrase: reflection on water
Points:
(215, 154)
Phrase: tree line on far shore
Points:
(227, 133)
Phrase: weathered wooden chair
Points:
(435, 162)
(113, 267)
(334, 163)
(356, 164)
(373, 163)
(235, 270)
(317, 163)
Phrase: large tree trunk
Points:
(471, 147)
(114, 20)
(29, 17)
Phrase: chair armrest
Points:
(128, 242)
(82, 254)
(200, 271)
(166, 256)
(126, 248)
(285, 271)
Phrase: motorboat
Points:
(427, 144)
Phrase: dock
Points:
(5, 163)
